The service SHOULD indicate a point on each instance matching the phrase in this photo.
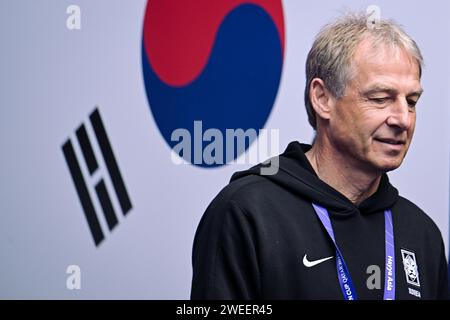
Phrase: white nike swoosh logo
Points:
(310, 264)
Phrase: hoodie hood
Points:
(296, 175)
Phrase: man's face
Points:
(373, 123)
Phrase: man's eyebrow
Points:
(378, 89)
(416, 93)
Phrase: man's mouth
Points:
(391, 141)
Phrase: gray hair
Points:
(330, 56)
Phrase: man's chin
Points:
(386, 166)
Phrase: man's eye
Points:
(379, 100)
(412, 103)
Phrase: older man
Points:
(328, 224)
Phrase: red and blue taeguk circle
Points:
(218, 62)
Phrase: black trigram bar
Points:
(110, 161)
(86, 148)
(83, 192)
(106, 204)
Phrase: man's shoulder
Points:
(241, 189)
(415, 217)
(233, 203)
(406, 206)
(248, 194)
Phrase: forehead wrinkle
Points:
(372, 52)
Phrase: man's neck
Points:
(334, 169)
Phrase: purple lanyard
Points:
(345, 280)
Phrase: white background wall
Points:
(51, 79)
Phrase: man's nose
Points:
(401, 115)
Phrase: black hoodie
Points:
(252, 239)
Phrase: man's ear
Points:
(321, 99)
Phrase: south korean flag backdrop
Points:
(94, 204)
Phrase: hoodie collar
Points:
(297, 175)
